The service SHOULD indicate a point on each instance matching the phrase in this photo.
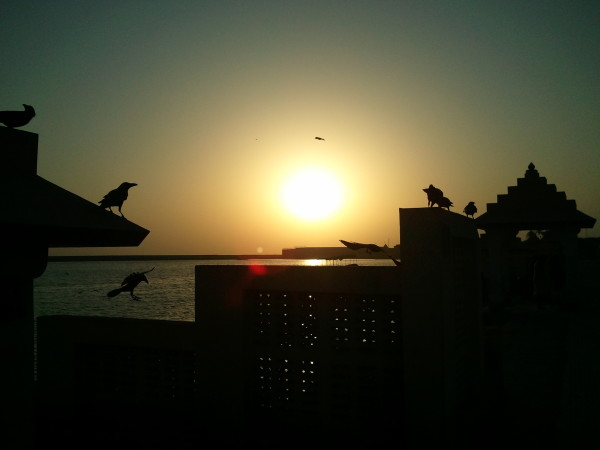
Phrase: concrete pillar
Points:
(441, 325)
(21, 262)
(497, 273)
(23, 257)
(569, 296)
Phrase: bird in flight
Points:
(15, 119)
(370, 248)
(130, 283)
(116, 197)
(319, 138)
(470, 209)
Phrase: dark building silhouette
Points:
(40, 215)
(532, 204)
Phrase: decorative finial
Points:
(531, 172)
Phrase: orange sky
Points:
(211, 106)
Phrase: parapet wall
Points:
(288, 355)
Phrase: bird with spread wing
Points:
(370, 248)
(130, 283)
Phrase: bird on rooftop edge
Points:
(435, 196)
(15, 119)
(116, 197)
(470, 209)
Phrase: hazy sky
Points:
(211, 106)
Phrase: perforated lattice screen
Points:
(321, 359)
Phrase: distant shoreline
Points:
(157, 257)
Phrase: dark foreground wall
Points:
(282, 357)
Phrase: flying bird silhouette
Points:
(130, 283)
(116, 197)
(319, 138)
(470, 209)
(15, 119)
(370, 248)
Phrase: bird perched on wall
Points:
(15, 119)
(130, 283)
(435, 196)
(445, 202)
(319, 138)
(116, 197)
(470, 209)
(370, 248)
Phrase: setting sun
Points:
(312, 194)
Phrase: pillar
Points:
(499, 243)
(23, 257)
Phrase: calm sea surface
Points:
(80, 287)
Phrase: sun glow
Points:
(312, 195)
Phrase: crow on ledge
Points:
(116, 197)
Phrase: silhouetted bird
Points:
(15, 119)
(130, 283)
(319, 138)
(435, 196)
(116, 197)
(470, 209)
(370, 248)
(445, 203)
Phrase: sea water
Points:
(80, 287)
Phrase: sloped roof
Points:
(61, 218)
(34, 207)
(533, 204)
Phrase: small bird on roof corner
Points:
(116, 197)
(319, 138)
(470, 209)
(15, 119)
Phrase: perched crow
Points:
(470, 209)
(15, 119)
(435, 196)
(370, 248)
(130, 283)
(445, 202)
(116, 197)
(319, 138)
